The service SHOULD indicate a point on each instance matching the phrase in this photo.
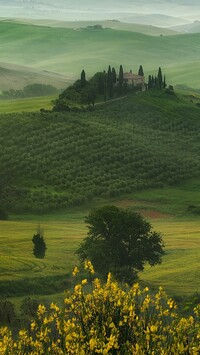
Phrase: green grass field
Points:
(22, 274)
(68, 51)
(26, 105)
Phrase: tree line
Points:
(29, 91)
(104, 86)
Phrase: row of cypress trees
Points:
(158, 81)
(107, 84)
(109, 81)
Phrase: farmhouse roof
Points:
(131, 76)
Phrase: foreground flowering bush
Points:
(107, 320)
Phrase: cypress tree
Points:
(110, 82)
(152, 81)
(164, 82)
(83, 78)
(121, 79)
(149, 82)
(39, 248)
(160, 78)
(105, 85)
(114, 76)
(140, 71)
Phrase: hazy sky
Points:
(98, 9)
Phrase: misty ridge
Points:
(164, 13)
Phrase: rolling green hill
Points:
(112, 24)
(17, 77)
(56, 160)
(68, 51)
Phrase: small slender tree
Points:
(160, 78)
(141, 71)
(83, 78)
(114, 76)
(110, 82)
(121, 79)
(39, 248)
(105, 85)
(164, 82)
(149, 82)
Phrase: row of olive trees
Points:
(57, 160)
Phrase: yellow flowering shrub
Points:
(107, 320)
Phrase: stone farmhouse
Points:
(134, 79)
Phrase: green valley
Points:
(140, 151)
(99, 138)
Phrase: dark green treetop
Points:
(39, 248)
(121, 78)
(83, 78)
(160, 78)
(141, 71)
(120, 241)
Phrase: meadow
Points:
(26, 105)
(67, 51)
(166, 209)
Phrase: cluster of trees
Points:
(102, 86)
(158, 81)
(29, 91)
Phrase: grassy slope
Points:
(63, 232)
(28, 105)
(58, 160)
(68, 51)
(16, 77)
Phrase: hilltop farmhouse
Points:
(134, 79)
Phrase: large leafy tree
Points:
(120, 241)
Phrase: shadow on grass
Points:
(35, 286)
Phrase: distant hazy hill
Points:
(155, 19)
(193, 27)
(113, 24)
(104, 9)
(16, 77)
(67, 51)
